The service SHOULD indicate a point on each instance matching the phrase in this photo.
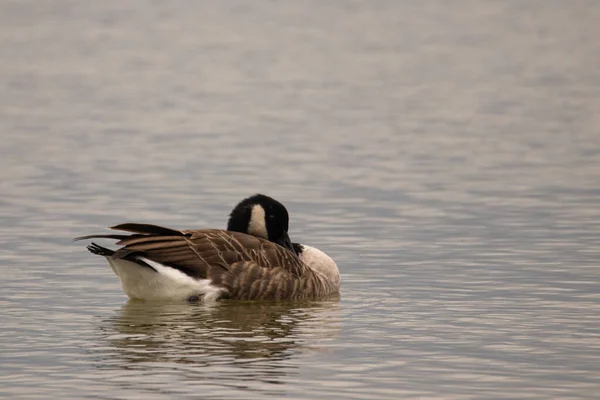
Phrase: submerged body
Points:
(252, 260)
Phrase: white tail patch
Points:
(166, 283)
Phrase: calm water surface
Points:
(446, 154)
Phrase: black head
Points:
(261, 216)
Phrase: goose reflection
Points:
(223, 333)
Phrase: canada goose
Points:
(253, 259)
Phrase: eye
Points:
(271, 216)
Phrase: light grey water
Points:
(446, 154)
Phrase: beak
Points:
(286, 242)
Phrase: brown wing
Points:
(195, 252)
(246, 280)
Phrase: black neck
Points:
(298, 248)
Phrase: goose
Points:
(253, 259)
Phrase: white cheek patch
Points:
(257, 225)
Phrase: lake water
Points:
(445, 154)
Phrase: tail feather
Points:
(140, 231)
(147, 229)
(116, 237)
(99, 250)
(129, 256)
